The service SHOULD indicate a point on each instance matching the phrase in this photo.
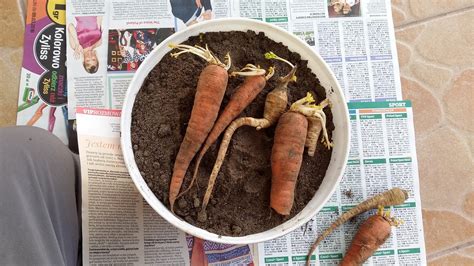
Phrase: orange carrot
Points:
(209, 94)
(394, 196)
(291, 136)
(371, 235)
(244, 95)
(286, 159)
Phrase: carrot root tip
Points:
(228, 61)
(202, 216)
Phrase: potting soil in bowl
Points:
(240, 203)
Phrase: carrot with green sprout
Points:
(394, 196)
(253, 84)
(371, 235)
(275, 105)
(287, 152)
(210, 91)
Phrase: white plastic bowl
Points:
(315, 63)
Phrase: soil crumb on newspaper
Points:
(240, 203)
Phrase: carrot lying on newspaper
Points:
(371, 235)
(394, 196)
(210, 91)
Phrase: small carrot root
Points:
(394, 196)
(314, 130)
(371, 235)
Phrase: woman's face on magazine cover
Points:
(90, 60)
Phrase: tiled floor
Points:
(436, 54)
(435, 41)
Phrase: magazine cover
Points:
(42, 100)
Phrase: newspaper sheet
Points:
(42, 99)
(108, 40)
(382, 156)
(118, 226)
(358, 44)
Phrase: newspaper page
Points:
(382, 156)
(118, 226)
(357, 41)
(108, 40)
(42, 99)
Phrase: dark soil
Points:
(240, 202)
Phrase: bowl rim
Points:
(125, 140)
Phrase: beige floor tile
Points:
(9, 78)
(10, 59)
(468, 205)
(432, 75)
(446, 170)
(469, 252)
(404, 54)
(410, 34)
(448, 40)
(421, 9)
(444, 229)
(398, 15)
(426, 108)
(459, 101)
(470, 143)
(10, 19)
(415, 10)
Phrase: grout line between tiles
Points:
(454, 12)
(450, 250)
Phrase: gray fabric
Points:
(39, 218)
